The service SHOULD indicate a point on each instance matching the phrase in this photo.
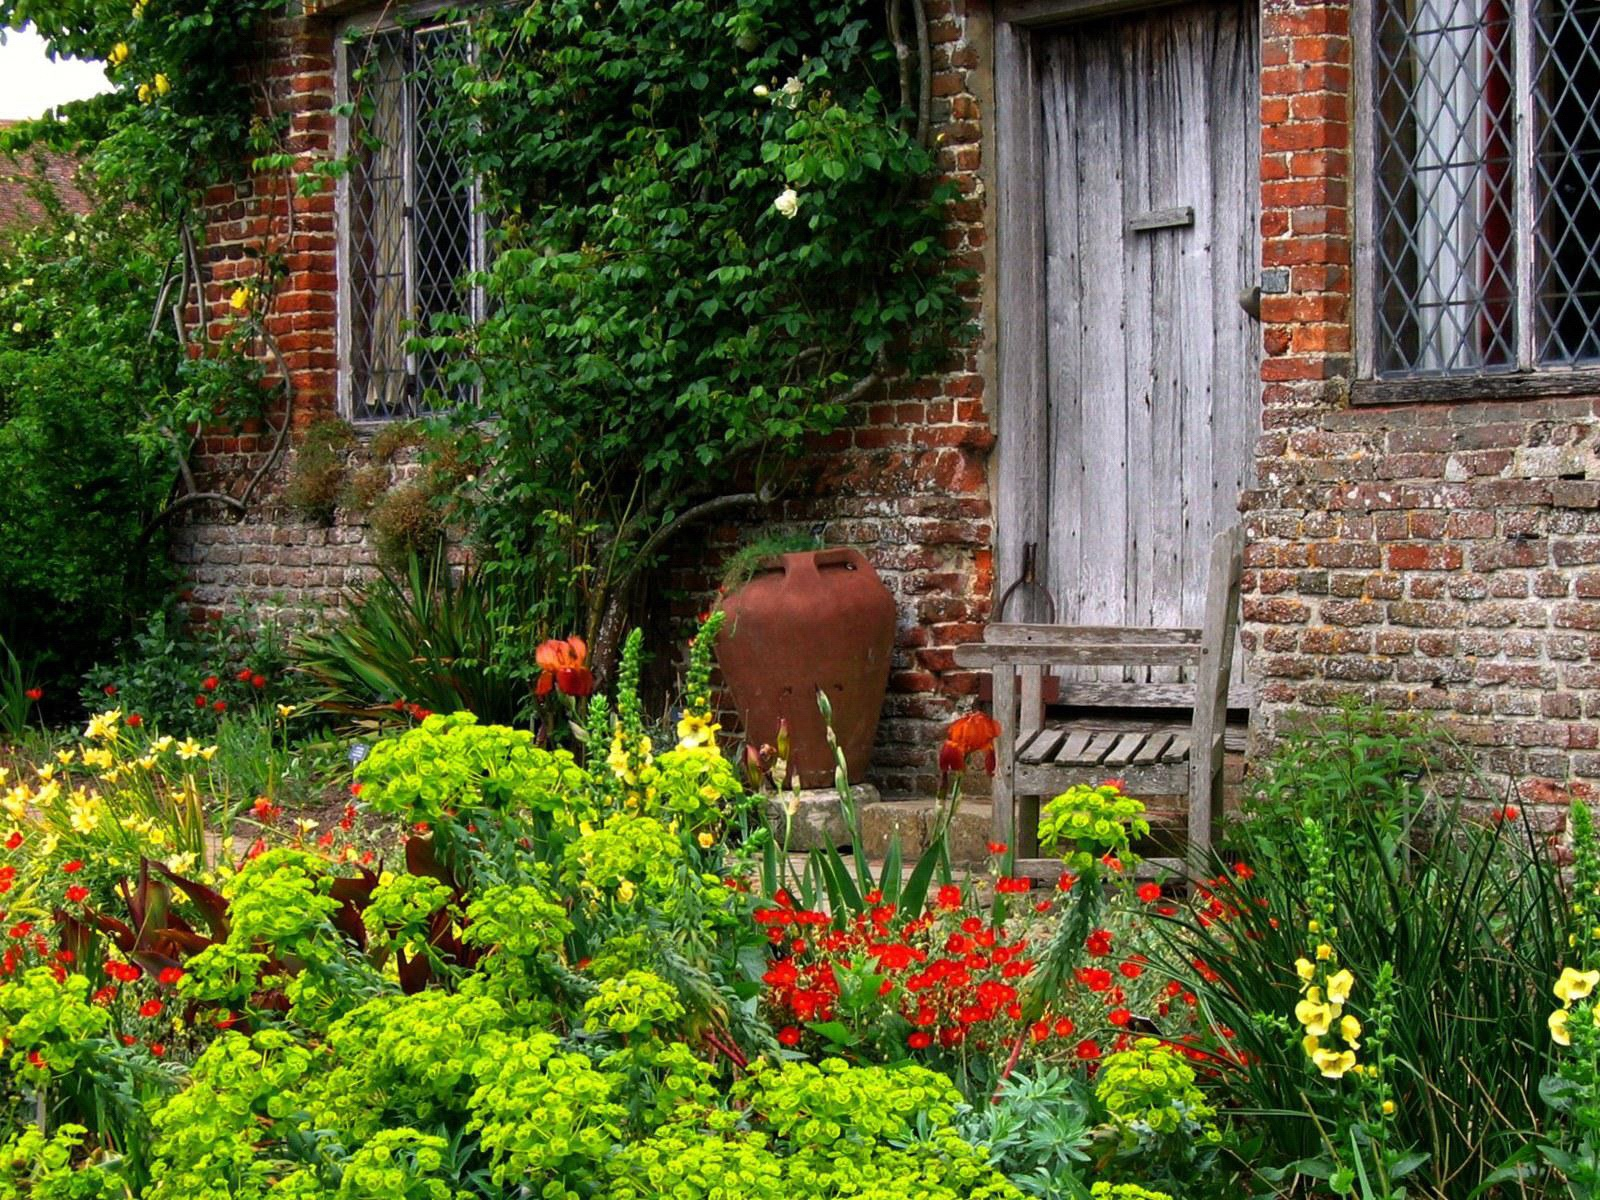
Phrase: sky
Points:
(30, 82)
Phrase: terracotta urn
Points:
(818, 620)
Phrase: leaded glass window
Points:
(411, 231)
(1485, 194)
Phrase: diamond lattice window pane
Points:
(1444, 187)
(1567, 181)
(411, 223)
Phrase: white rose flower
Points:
(762, 91)
(787, 203)
(792, 90)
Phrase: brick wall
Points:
(1442, 557)
(906, 482)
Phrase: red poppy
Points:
(1130, 970)
(201, 702)
(564, 665)
(920, 1040)
(949, 896)
(1149, 892)
(258, 682)
(244, 675)
(14, 840)
(170, 975)
(34, 694)
(159, 1050)
(1088, 1049)
(77, 894)
(789, 1036)
(1119, 1017)
(210, 683)
(123, 972)
(1098, 943)
(73, 867)
(220, 706)
(1064, 1027)
(135, 720)
(150, 1008)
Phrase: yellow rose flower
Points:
(163, 85)
(1339, 985)
(119, 54)
(1575, 985)
(1333, 1063)
(1558, 1028)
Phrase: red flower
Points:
(201, 702)
(110, 689)
(1509, 813)
(73, 867)
(997, 847)
(949, 896)
(1130, 970)
(1244, 871)
(244, 675)
(1064, 1027)
(150, 1008)
(34, 694)
(105, 995)
(1088, 1049)
(14, 840)
(220, 706)
(950, 759)
(35, 1061)
(170, 975)
(123, 972)
(920, 1040)
(258, 682)
(1119, 1017)
(265, 810)
(564, 664)
(210, 683)
(159, 1050)
(1098, 943)
(789, 1036)
(77, 894)
(135, 720)
(1149, 892)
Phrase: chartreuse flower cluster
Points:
(1085, 825)
(1150, 1089)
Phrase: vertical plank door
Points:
(1150, 195)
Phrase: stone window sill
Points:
(1525, 385)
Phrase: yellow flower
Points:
(46, 772)
(97, 757)
(15, 802)
(1339, 985)
(1313, 926)
(286, 711)
(242, 299)
(707, 839)
(1316, 1016)
(1324, 952)
(1306, 969)
(65, 757)
(145, 94)
(1311, 1044)
(1558, 1027)
(305, 825)
(104, 726)
(162, 744)
(1575, 985)
(119, 54)
(1333, 1063)
(148, 762)
(1388, 1108)
(208, 753)
(188, 749)
(625, 890)
(696, 732)
(163, 85)
(84, 816)
(1350, 1031)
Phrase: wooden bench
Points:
(1176, 752)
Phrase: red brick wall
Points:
(1440, 557)
(906, 482)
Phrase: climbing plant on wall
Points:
(717, 227)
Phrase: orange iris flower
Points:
(564, 664)
(972, 734)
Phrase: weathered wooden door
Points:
(1137, 437)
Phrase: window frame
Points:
(367, 23)
(1528, 378)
